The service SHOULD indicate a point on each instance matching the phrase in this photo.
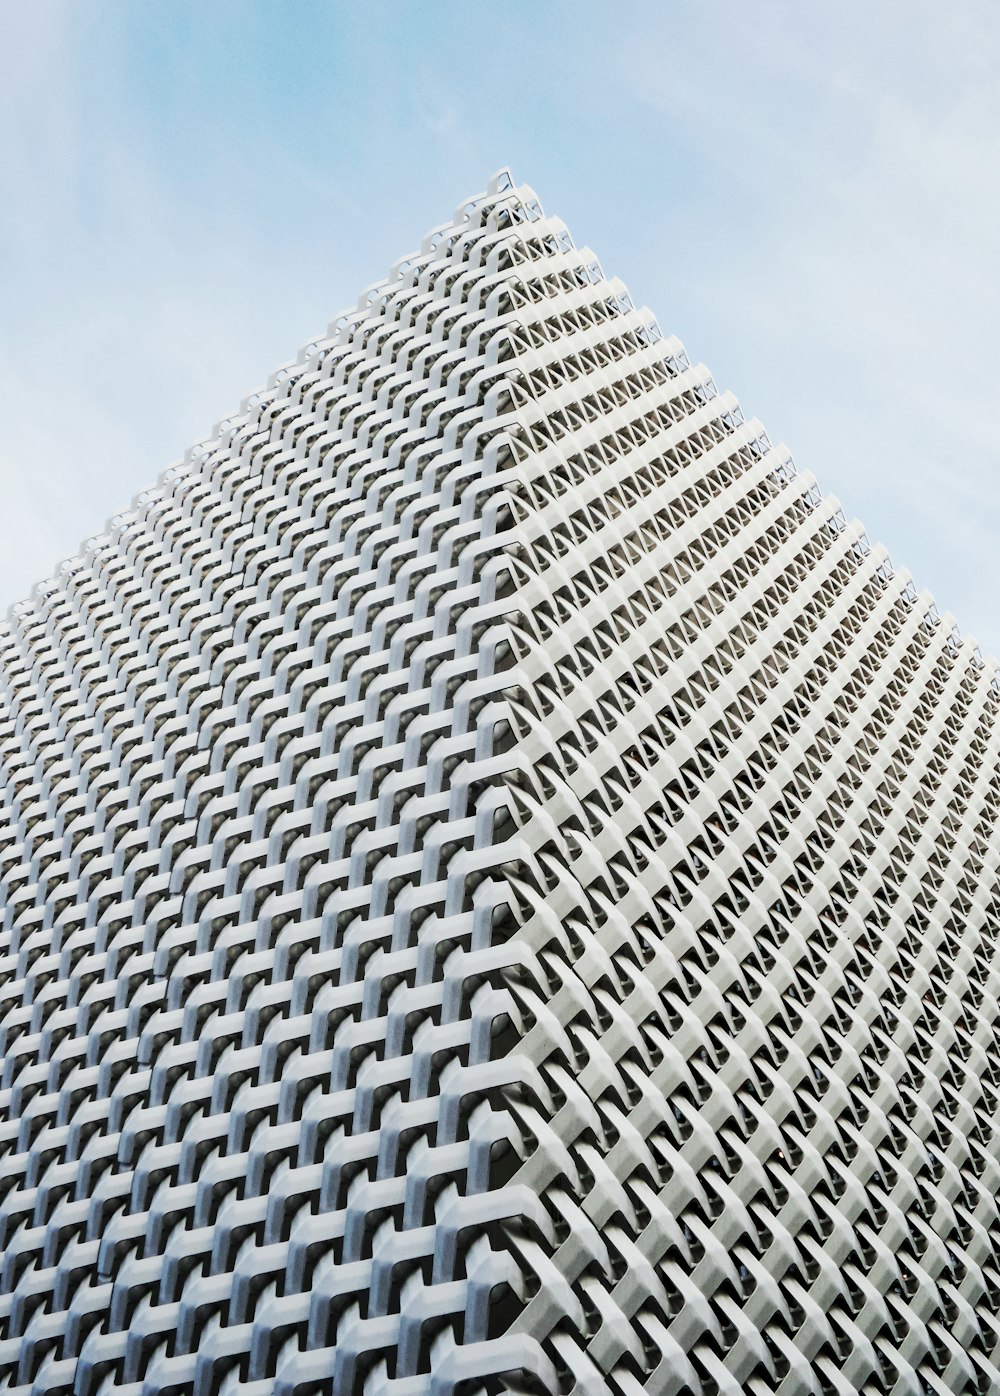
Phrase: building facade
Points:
(499, 887)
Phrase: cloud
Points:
(808, 195)
(855, 297)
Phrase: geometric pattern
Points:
(499, 888)
(759, 789)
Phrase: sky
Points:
(808, 195)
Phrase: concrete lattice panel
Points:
(499, 890)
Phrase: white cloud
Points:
(807, 194)
(857, 299)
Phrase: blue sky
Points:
(807, 194)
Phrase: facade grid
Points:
(499, 891)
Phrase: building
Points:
(499, 887)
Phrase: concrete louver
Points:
(499, 892)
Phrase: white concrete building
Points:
(499, 892)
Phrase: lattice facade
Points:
(500, 892)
